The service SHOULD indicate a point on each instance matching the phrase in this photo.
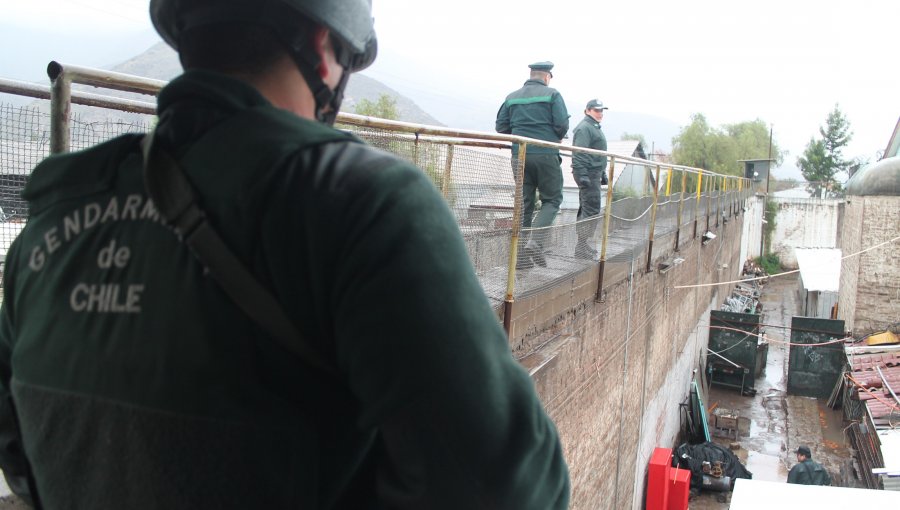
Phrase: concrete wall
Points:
(870, 282)
(805, 223)
(752, 227)
(612, 373)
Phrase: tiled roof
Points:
(863, 363)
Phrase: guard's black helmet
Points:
(350, 21)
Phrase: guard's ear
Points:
(321, 43)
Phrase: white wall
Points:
(805, 223)
(752, 232)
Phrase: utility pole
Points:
(769, 171)
(762, 236)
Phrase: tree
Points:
(719, 148)
(384, 108)
(823, 158)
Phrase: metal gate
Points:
(733, 346)
(813, 370)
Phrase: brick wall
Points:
(611, 374)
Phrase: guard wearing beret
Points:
(589, 171)
(537, 111)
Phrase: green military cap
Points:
(594, 104)
(545, 66)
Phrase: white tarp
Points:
(820, 268)
(759, 494)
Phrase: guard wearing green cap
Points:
(537, 111)
(132, 376)
(589, 171)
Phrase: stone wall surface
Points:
(869, 299)
(613, 373)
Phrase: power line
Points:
(784, 273)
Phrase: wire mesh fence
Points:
(474, 172)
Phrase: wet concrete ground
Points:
(780, 423)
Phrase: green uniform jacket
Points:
(534, 111)
(589, 134)
(809, 472)
(137, 383)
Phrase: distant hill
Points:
(161, 62)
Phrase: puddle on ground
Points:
(766, 467)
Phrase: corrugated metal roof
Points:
(820, 268)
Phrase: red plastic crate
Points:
(658, 483)
(679, 489)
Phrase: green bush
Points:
(770, 262)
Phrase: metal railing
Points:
(473, 171)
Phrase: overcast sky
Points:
(786, 62)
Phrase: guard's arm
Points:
(560, 116)
(502, 123)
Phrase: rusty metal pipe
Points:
(445, 182)
(60, 107)
(105, 79)
(63, 76)
(514, 242)
(148, 86)
(37, 91)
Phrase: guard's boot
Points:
(584, 251)
(534, 250)
(523, 260)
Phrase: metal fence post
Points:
(607, 213)
(445, 182)
(514, 242)
(718, 190)
(680, 207)
(653, 219)
(708, 194)
(669, 181)
(60, 107)
(697, 202)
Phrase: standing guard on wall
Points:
(537, 111)
(589, 171)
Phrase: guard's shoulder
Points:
(349, 165)
(78, 173)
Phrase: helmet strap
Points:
(328, 101)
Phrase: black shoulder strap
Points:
(174, 198)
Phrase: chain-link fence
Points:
(474, 173)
